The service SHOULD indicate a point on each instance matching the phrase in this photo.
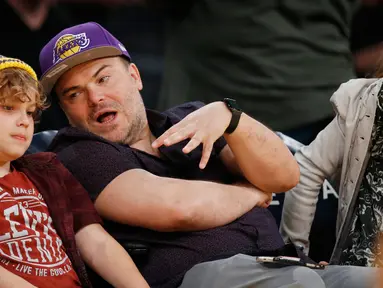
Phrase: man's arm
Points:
(261, 155)
(105, 256)
(318, 161)
(10, 280)
(139, 198)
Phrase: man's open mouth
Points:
(106, 117)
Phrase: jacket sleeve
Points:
(320, 160)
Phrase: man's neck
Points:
(5, 168)
(144, 142)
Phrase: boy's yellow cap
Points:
(6, 62)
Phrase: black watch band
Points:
(235, 114)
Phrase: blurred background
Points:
(147, 27)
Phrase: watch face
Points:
(232, 104)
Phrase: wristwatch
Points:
(235, 114)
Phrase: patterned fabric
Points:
(34, 251)
(367, 225)
(68, 202)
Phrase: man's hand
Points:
(263, 198)
(323, 263)
(204, 125)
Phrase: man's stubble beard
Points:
(134, 131)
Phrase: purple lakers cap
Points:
(76, 45)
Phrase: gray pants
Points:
(241, 271)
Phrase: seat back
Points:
(41, 141)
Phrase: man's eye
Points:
(103, 79)
(73, 95)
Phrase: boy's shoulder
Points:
(38, 157)
(41, 160)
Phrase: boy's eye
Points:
(7, 108)
(31, 113)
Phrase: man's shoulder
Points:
(160, 121)
(351, 93)
(184, 109)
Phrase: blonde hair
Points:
(17, 82)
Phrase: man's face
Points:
(103, 96)
(16, 127)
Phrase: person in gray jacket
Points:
(350, 149)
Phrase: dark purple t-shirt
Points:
(95, 162)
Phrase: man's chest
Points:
(173, 163)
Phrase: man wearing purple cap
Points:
(200, 209)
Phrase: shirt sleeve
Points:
(95, 164)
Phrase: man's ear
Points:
(135, 74)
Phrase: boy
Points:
(46, 216)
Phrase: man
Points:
(153, 182)
(349, 149)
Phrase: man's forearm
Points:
(221, 205)
(104, 255)
(262, 156)
(167, 204)
(10, 280)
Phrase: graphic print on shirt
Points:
(29, 244)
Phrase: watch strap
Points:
(235, 116)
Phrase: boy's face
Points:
(16, 127)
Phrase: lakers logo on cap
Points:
(68, 45)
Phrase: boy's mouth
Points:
(20, 137)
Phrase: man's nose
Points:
(95, 97)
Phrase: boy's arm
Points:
(105, 256)
(10, 280)
(98, 249)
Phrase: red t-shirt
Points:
(29, 244)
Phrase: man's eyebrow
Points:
(66, 90)
(99, 70)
